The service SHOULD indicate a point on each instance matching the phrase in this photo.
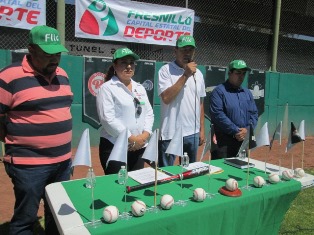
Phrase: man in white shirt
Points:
(182, 90)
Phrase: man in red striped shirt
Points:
(36, 126)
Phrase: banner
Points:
(94, 74)
(23, 14)
(256, 84)
(94, 77)
(120, 20)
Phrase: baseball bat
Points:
(186, 175)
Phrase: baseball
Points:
(299, 172)
(258, 181)
(231, 184)
(287, 175)
(138, 208)
(273, 178)
(199, 194)
(110, 214)
(166, 202)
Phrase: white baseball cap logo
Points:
(126, 51)
(186, 39)
(241, 62)
(49, 37)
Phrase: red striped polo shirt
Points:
(37, 115)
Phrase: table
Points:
(306, 182)
(258, 211)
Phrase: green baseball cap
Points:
(47, 39)
(122, 52)
(238, 64)
(185, 40)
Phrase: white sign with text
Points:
(120, 20)
(23, 14)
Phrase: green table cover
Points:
(258, 211)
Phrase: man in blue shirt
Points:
(232, 109)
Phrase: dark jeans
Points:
(135, 161)
(190, 145)
(29, 188)
(227, 146)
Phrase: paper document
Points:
(196, 165)
(146, 175)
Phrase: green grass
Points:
(300, 216)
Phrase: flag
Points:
(285, 123)
(294, 137)
(83, 154)
(120, 149)
(277, 134)
(252, 140)
(176, 144)
(262, 139)
(151, 151)
(301, 130)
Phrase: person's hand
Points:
(132, 143)
(138, 143)
(241, 134)
(190, 69)
(202, 138)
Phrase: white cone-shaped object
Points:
(120, 148)
(176, 144)
(151, 151)
(83, 154)
(301, 130)
(262, 139)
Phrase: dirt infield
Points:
(7, 195)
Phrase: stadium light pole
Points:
(276, 37)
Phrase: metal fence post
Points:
(61, 20)
(275, 37)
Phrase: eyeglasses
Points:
(137, 106)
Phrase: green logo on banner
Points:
(97, 10)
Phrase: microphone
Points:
(193, 74)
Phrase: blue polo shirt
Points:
(232, 108)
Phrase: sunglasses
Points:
(137, 106)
